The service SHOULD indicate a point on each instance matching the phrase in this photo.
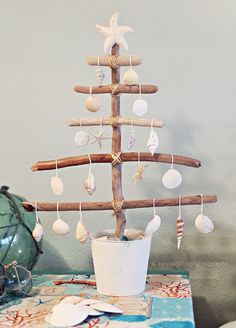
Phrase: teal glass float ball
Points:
(16, 226)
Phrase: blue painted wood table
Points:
(166, 303)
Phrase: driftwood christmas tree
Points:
(117, 157)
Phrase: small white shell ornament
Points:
(89, 183)
(153, 140)
(92, 103)
(99, 76)
(132, 138)
(57, 183)
(203, 223)
(59, 226)
(140, 105)
(81, 138)
(81, 231)
(172, 178)
(154, 224)
(130, 77)
(37, 233)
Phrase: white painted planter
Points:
(120, 266)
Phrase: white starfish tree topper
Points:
(114, 34)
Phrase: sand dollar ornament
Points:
(38, 229)
(92, 103)
(89, 183)
(140, 105)
(154, 224)
(153, 140)
(81, 231)
(99, 73)
(81, 137)
(172, 178)
(60, 227)
(57, 183)
(203, 223)
(130, 76)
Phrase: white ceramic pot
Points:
(120, 266)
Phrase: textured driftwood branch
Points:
(121, 88)
(128, 204)
(119, 120)
(118, 61)
(107, 158)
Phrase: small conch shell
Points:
(93, 103)
(38, 231)
(99, 76)
(179, 230)
(60, 227)
(89, 184)
(153, 141)
(130, 77)
(81, 232)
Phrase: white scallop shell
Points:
(93, 103)
(106, 307)
(153, 225)
(60, 227)
(140, 107)
(204, 224)
(71, 299)
(74, 315)
(90, 310)
(38, 231)
(172, 179)
(57, 185)
(130, 77)
(81, 232)
(81, 138)
(153, 141)
(99, 76)
(89, 184)
(90, 301)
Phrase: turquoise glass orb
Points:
(16, 226)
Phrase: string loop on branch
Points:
(114, 88)
(112, 60)
(114, 121)
(117, 206)
(116, 158)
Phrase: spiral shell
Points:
(153, 142)
(89, 184)
(99, 76)
(179, 230)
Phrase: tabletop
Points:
(166, 303)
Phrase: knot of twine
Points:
(114, 88)
(114, 121)
(116, 158)
(117, 206)
(112, 61)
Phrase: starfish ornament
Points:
(98, 138)
(114, 34)
(139, 173)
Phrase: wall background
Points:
(188, 50)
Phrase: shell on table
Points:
(38, 231)
(89, 184)
(106, 307)
(153, 141)
(72, 299)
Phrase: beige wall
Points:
(188, 50)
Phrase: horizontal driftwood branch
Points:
(107, 158)
(111, 60)
(128, 204)
(118, 120)
(121, 88)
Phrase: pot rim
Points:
(95, 235)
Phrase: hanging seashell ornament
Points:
(38, 229)
(140, 105)
(179, 226)
(89, 183)
(139, 171)
(130, 76)
(154, 224)
(153, 140)
(92, 103)
(132, 138)
(57, 183)
(81, 137)
(172, 178)
(60, 227)
(99, 73)
(203, 223)
(81, 231)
